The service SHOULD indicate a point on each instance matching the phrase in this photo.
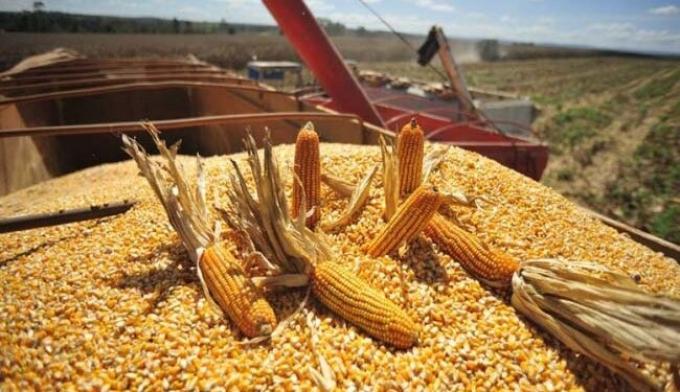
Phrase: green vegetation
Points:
(657, 87)
(647, 186)
(549, 100)
(565, 174)
(674, 113)
(666, 224)
(575, 125)
(617, 103)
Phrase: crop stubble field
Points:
(613, 123)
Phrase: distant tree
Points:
(361, 31)
(39, 19)
(23, 24)
(188, 27)
(488, 50)
(50, 21)
(332, 28)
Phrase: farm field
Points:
(613, 123)
(228, 51)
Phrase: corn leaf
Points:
(338, 185)
(356, 201)
(433, 159)
(264, 216)
(390, 162)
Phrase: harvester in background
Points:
(455, 117)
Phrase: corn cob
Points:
(411, 217)
(410, 150)
(492, 267)
(362, 305)
(235, 294)
(308, 172)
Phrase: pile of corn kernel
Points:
(115, 303)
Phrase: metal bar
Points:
(497, 93)
(669, 249)
(105, 74)
(53, 69)
(451, 68)
(132, 86)
(492, 144)
(50, 87)
(316, 50)
(172, 124)
(400, 117)
(26, 222)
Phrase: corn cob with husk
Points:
(493, 267)
(235, 294)
(411, 151)
(601, 314)
(221, 275)
(411, 218)
(593, 310)
(307, 175)
(294, 250)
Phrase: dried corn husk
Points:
(356, 201)
(599, 313)
(185, 207)
(282, 280)
(338, 185)
(291, 246)
(390, 162)
(433, 159)
(287, 243)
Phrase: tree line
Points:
(60, 22)
(39, 21)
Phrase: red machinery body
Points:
(321, 56)
(443, 121)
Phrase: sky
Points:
(649, 25)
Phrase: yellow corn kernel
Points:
(411, 152)
(356, 301)
(492, 267)
(308, 171)
(411, 217)
(235, 294)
